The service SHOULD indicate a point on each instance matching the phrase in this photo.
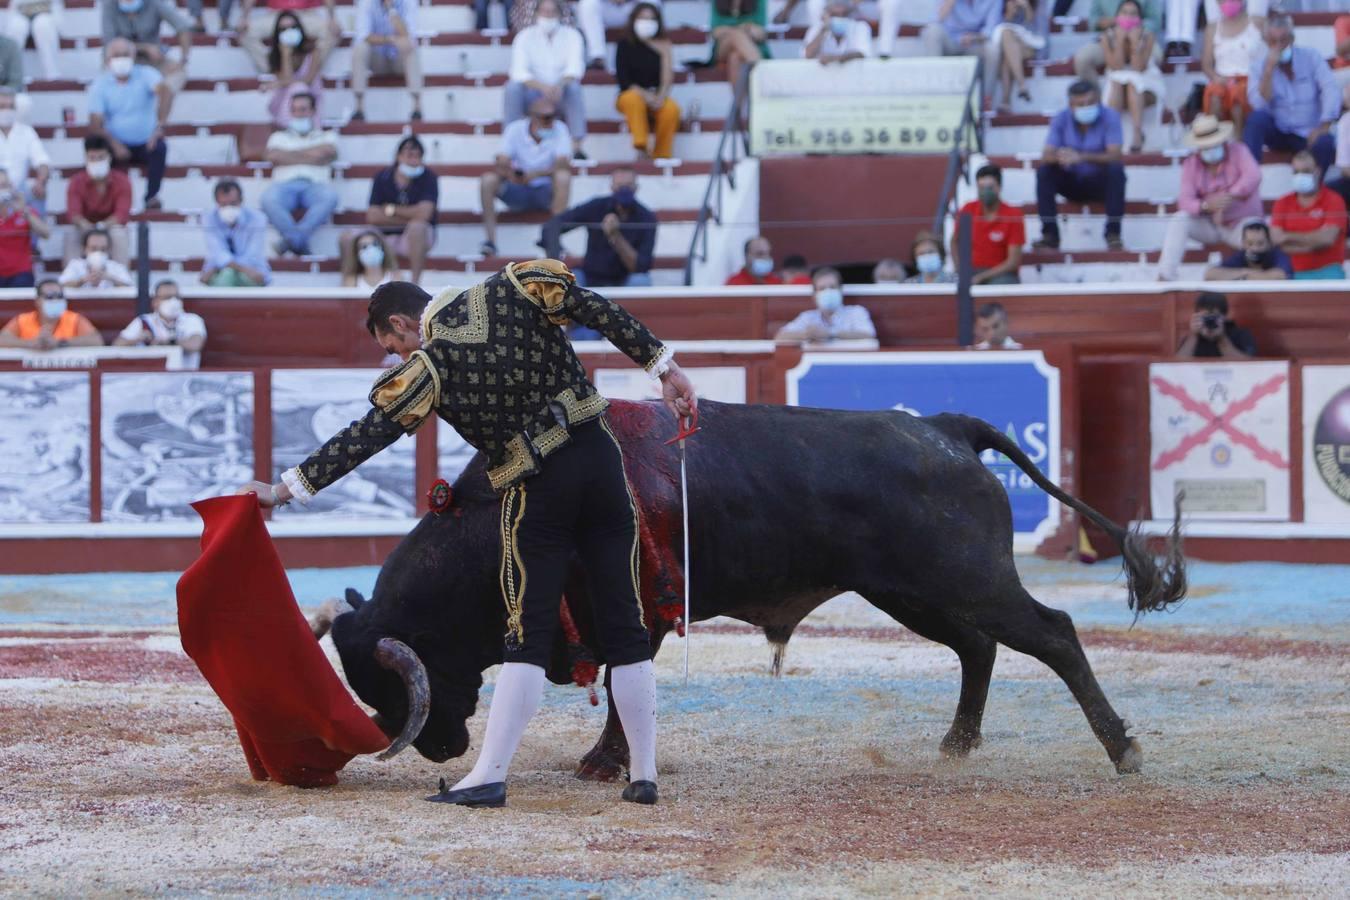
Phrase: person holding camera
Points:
(1213, 334)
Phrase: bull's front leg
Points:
(608, 759)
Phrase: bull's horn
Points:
(323, 619)
(399, 657)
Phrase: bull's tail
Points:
(1155, 583)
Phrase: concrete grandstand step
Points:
(1144, 182)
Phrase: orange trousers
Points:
(641, 122)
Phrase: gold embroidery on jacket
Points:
(409, 392)
(518, 463)
(583, 410)
(473, 331)
(512, 562)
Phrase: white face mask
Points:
(7, 117)
(1303, 182)
(302, 125)
(121, 66)
(372, 256)
(96, 259)
(6, 196)
(646, 28)
(291, 37)
(54, 308)
(829, 299)
(229, 214)
(170, 308)
(100, 169)
(548, 23)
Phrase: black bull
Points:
(789, 507)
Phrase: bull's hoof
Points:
(958, 744)
(1132, 760)
(601, 766)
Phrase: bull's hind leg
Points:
(608, 759)
(976, 651)
(1028, 627)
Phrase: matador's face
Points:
(403, 338)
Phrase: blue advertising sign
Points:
(1015, 391)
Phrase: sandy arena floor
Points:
(121, 771)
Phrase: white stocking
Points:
(519, 688)
(634, 689)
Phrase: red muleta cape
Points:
(240, 624)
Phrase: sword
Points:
(688, 426)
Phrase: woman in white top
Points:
(1133, 79)
(1230, 46)
(368, 261)
(1017, 42)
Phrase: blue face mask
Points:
(411, 171)
(760, 267)
(840, 25)
(130, 6)
(1303, 182)
(624, 196)
(829, 299)
(1212, 154)
(928, 263)
(302, 125)
(1086, 115)
(1287, 54)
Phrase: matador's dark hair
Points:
(397, 298)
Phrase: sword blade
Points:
(684, 511)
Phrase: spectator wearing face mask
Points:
(167, 325)
(140, 22)
(1220, 191)
(1309, 223)
(1082, 162)
(22, 154)
(1183, 16)
(236, 241)
(1231, 45)
(386, 43)
(839, 36)
(1133, 79)
(645, 72)
(1213, 334)
(996, 232)
(830, 320)
(927, 261)
(966, 28)
(795, 270)
(98, 196)
(403, 200)
(620, 236)
(317, 18)
(758, 268)
(533, 170)
(991, 329)
(1090, 59)
(888, 271)
(1258, 260)
(41, 20)
(547, 62)
(19, 224)
(301, 156)
(296, 60)
(11, 65)
(51, 325)
(95, 270)
(128, 106)
(368, 261)
(594, 16)
(1294, 98)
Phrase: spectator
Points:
(140, 21)
(1213, 334)
(991, 329)
(1341, 63)
(386, 43)
(19, 224)
(889, 271)
(533, 170)
(738, 34)
(38, 18)
(1082, 163)
(1220, 192)
(236, 241)
(480, 10)
(296, 60)
(927, 259)
(98, 196)
(1231, 45)
(831, 320)
(11, 65)
(1016, 42)
(51, 325)
(1258, 260)
(1134, 78)
(890, 13)
(1293, 97)
(1182, 15)
(644, 71)
(1341, 184)
(594, 16)
(322, 26)
(22, 154)
(795, 270)
(620, 236)
(128, 105)
(300, 156)
(547, 62)
(758, 268)
(1309, 224)
(1090, 58)
(95, 270)
(839, 35)
(966, 28)
(167, 325)
(403, 200)
(368, 261)
(996, 232)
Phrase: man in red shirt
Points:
(996, 233)
(1309, 224)
(98, 197)
(18, 223)
(758, 267)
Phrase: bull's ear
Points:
(354, 598)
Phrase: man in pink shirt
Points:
(1220, 192)
(255, 32)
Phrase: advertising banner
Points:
(1220, 433)
(863, 106)
(1326, 444)
(1017, 392)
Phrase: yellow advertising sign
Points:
(862, 106)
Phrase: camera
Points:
(1212, 321)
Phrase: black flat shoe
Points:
(491, 796)
(643, 792)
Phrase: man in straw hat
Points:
(1220, 192)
